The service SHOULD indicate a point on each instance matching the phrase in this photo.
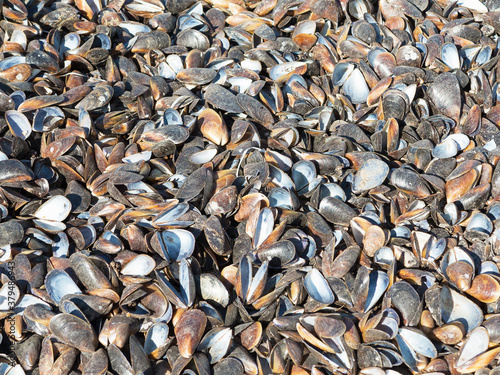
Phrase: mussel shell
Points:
(189, 330)
(27, 351)
(455, 307)
(11, 232)
(56, 208)
(410, 182)
(371, 174)
(336, 211)
(14, 170)
(317, 287)
(59, 284)
(177, 244)
(91, 306)
(221, 98)
(213, 290)
(74, 332)
(278, 254)
(445, 95)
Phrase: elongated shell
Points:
(317, 287)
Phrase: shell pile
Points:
(236, 187)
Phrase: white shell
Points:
(11, 61)
(213, 290)
(468, 53)
(28, 300)
(305, 27)
(283, 69)
(303, 173)
(203, 157)
(165, 71)
(217, 341)
(257, 280)
(9, 294)
(410, 91)
(284, 162)
(379, 281)
(418, 342)
(186, 280)
(56, 208)
(55, 114)
(84, 120)
(156, 337)
(356, 88)
(59, 284)
(476, 5)
(341, 73)
(177, 244)
(18, 123)
(489, 267)
(494, 211)
(171, 215)
(19, 37)
(70, 42)
(446, 149)
(175, 63)
(16, 370)
(279, 197)
(462, 140)
(408, 354)
(481, 223)
(264, 227)
(317, 287)
(435, 248)
(476, 344)
(140, 156)
(451, 213)
(280, 178)
(384, 256)
(141, 265)
(60, 246)
(331, 190)
(50, 226)
(456, 307)
(240, 84)
(449, 55)
(253, 65)
(220, 348)
(134, 27)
